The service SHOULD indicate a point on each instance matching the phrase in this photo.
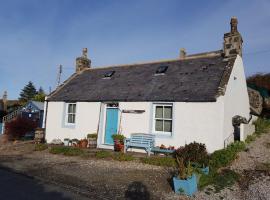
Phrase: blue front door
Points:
(111, 124)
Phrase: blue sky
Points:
(36, 36)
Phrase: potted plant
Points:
(185, 182)
(74, 142)
(92, 140)
(66, 141)
(83, 143)
(118, 140)
(196, 154)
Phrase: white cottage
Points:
(192, 98)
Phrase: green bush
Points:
(67, 151)
(123, 157)
(250, 138)
(194, 153)
(225, 178)
(92, 135)
(41, 147)
(262, 125)
(119, 137)
(159, 161)
(103, 154)
(223, 157)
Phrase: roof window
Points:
(109, 74)
(161, 69)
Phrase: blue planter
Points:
(205, 170)
(188, 187)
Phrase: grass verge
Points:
(41, 147)
(159, 161)
(225, 178)
(67, 151)
(123, 157)
(103, 154)
(262, 125)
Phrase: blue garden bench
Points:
(140, 141)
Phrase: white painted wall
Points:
(208, 122)
(246, 130)
(236, 101)
(87, 116)
(201, 122)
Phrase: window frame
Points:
(67, 114)
(162, 133)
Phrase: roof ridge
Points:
(192, 56)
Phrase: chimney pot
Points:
(234, 23)
(183, 53)
(232, 44)
(5, 101)
(83, 62)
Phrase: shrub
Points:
(123, 157)
(67, 151)
(41, 147)
(18, 127)
(250, 138)
(103, 154)
(225, 178)
(159, 161)
(262, 125)
(119, 137)
(223, 157)
(92, 135)
(194, 153)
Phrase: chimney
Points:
(232, 41)
(183, 53)
(83, 62)
(5, 101)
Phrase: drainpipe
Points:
(45, 116)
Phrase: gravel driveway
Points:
(110, 179)
(94, 178)
(255, 181)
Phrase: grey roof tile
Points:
(193, 80)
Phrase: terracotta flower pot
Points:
(118, 146)
(84, 143)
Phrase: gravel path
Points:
(95, 178)
(109, 179)
(255, 181)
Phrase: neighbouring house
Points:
(33, 110)
(201, 97)
(6, 106)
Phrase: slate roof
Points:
(39, 105)
(200, 79)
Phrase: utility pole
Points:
(59, 75)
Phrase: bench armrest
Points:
(126, 141)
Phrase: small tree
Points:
(40, 96)
(28, 92)
(17, 128)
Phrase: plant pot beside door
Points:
(118, 140)
(84, 143)
(92, 140)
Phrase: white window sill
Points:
(163, 134)
(69, 125)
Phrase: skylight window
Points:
(109, 74)
(161, 69)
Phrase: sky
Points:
(37, 36)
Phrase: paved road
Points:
(14, 186)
